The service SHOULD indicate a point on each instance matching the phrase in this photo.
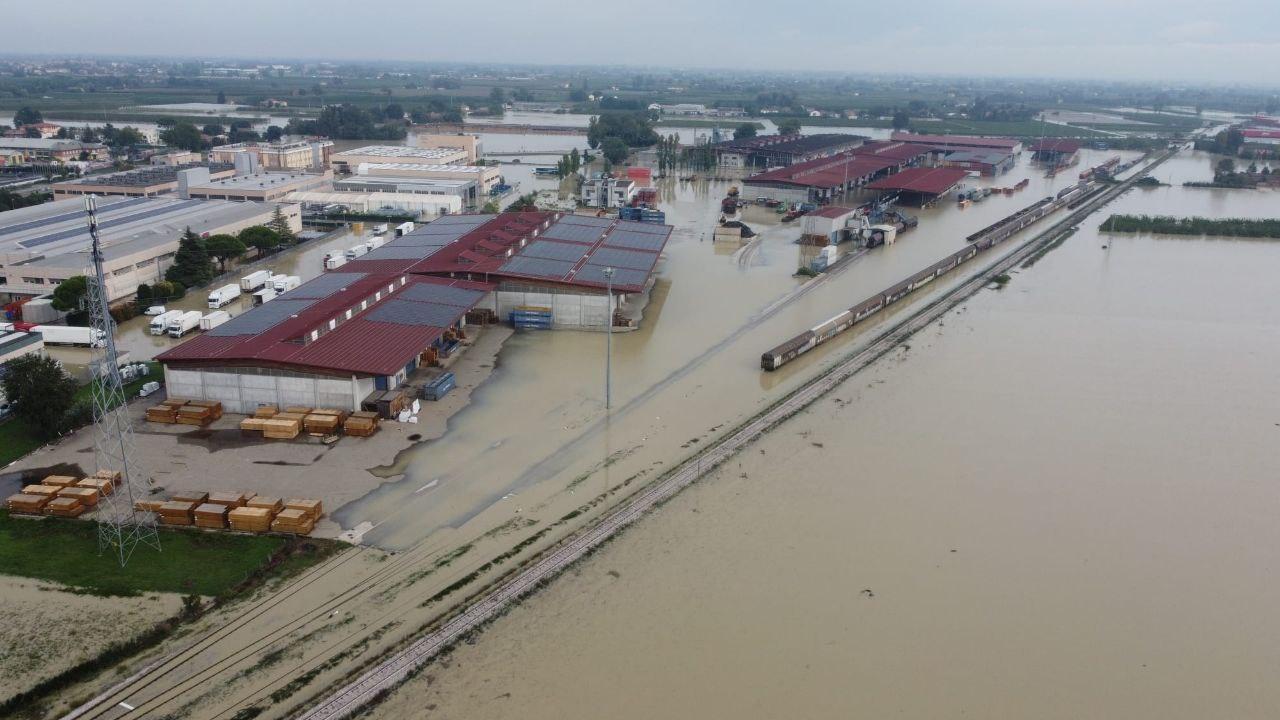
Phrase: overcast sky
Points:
(1222, 41)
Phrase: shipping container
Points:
(439, 387)
(264, 295)
(223, 296)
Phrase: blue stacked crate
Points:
(531, 318)
(439, 387)
(653, 216)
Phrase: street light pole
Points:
(608, 339)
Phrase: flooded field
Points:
(1056, 503)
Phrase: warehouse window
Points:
(364, 304)
(315, 335)
(348, 313)
(33, 281)
(333, 323)
(377, 296)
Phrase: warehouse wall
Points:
(568, 310)
(243, 390)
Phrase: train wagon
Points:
(788, 351)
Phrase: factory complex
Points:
(368, 325)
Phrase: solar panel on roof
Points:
(569, 252)
(537, 267)
(402, 252)
(461, 220)
(324, 285)
(635, 240)
(103, 208)
(263, 318)
(585, 220)
(404, 312)
(423, 240)
(109, 223)
(441, 294)
(573, 233)
(621, 276)
(641, 227)
(617, 257)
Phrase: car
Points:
(154, 310)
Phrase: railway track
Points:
(397, 668)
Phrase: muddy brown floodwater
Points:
(1059, 502)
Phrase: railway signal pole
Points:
(120, 526)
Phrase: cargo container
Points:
(357, 250)
(264, 295)
(188, 321)
(214, 319)
(404, 228)
(254, 280)
(67, 335)
(160, 323)
(285, 283)
(223, 296)
(439, 387)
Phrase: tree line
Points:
(1168, 225)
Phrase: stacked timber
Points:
(102, 485)
(49, 490)
(230, 499)
(166, 411)
(323, 422)
(151, 506)
(27, 503)
(266, 412)
(250, 519)
(211, 515)
(272, 504)
(113, 475)
(253, 424)
(191, 496)
(312, 508)
(199, 412)
(361, 424)
(176, 512)
(67, 507)
(60, 480)
(297, 522)
(285, 426)
(298, 410)
(87, 496)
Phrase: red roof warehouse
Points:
(379, 317)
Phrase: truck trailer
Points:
(180, 326)
(254, 280)
(223, 296)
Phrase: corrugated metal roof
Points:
(929, 181)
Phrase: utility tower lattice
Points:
(120, 525)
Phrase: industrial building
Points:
(486, 177)
(465, 190)
(421, 206)
(470, 144)
(607, 192)
(336, 339)
(1260, 142)
(1056, 151)
(825, 179)
(348, 162)
(985, 162)
(178, 157)
(146, 181)
(960, 142)
(43, 245)
(292, 155)
(48, 150)
(766, 151)
(16, 343)
(920, 185)
(258, 186)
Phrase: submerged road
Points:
(395, 669)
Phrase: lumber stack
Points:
(102, 485)
(87, 496)
(361, 424)
(323, 422)
(293, 521)
(250, 519)
(198, 415)
(192, 496)
(26, 503)
(211, 515)
(60, 480)
(297, 410)
(266, 412)
(230, 499)
(281, 427)
(176, 512)
(312, 508)
(152, 506)
(265, 502)
(113, 475)
(166, 411)
(67, 507)
(49, 490)
(253, 424)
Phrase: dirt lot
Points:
(48, 629)
(218, 457)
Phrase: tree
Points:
(393, 112)
(261, 237)
(41, 392)
(70, 294)
(274, 133)
(31, 132)
(614, 149)
(280, 224)
(88, 135)
(183, 135)
(1226, 166)
(212, 129)
(222, 98)
(901, 120)
(27, 115)
(144, 293)
(223, 248)
(491, 207)
(744, 131)
(575, 161)
(789, 126)
(497, 96)
(191, 265)
(127, 137)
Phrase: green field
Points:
(204, 563)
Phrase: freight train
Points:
(981, 241)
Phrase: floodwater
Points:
(1058, 502)
(535, 434)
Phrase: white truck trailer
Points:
(180, 326)
(254, 280)
(223, 296)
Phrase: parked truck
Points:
(180, 326)
(68, 335)
(334, 260)
(285, 283)
(357, 250)
(223, 296)
(160, 323)
(375, 242)
(404, 228)
(254, 280)
(263, 296)
(380, 229)
(214, 319)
